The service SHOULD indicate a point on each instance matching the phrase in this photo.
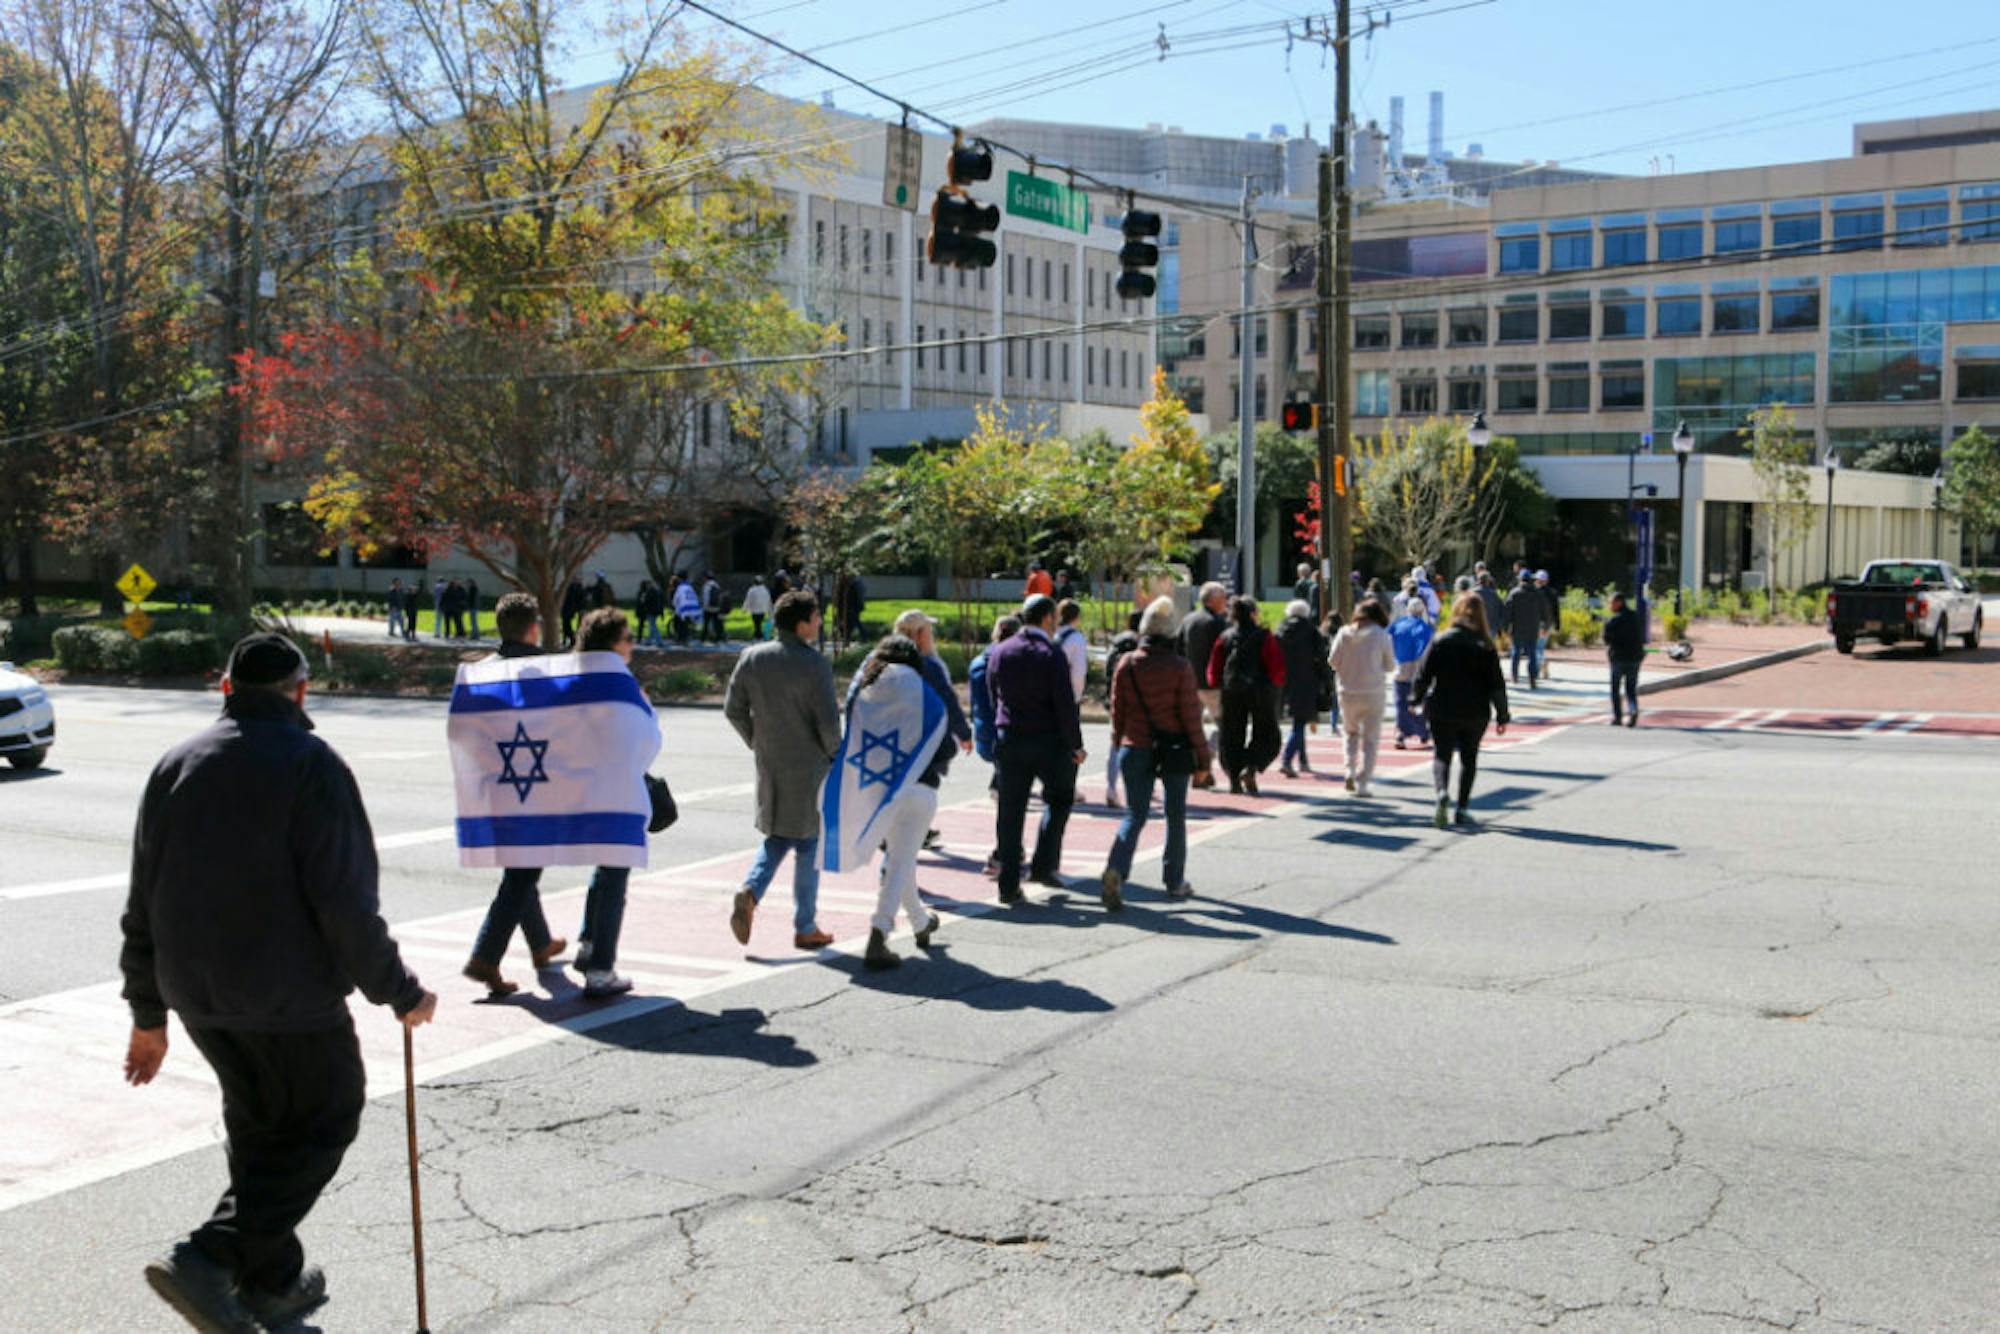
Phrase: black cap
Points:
(263, 659)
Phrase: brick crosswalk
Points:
(62, 1052)
(1858, 723)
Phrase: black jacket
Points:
(1305, 665)
(1198, 635)
(1625, 637)
(1459, 681)
(253, 900)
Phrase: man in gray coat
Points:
(781, 703)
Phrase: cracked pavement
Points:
(1699, 1033)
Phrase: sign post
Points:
(1042, 200)
(902, 168)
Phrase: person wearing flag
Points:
(781, 702)
(882, 790)
(253, 913)
(549, 757)
(518, 902)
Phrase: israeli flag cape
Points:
(893, 729)
(549, 755)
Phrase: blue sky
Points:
(1525, 78)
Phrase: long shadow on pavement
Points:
(673, 1028)
(1178, 917)
(1573, 838)
(936, 975)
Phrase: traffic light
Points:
(1138, 254)
(957, 219)
(1299, 416)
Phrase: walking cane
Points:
(416, 1197)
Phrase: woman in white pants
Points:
(1363, 659)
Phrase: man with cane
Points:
(252, 914)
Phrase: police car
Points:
(27, 719)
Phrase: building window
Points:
(1046, 362)
(1569, 391)
(961, 278)
(1371, 394)
(1520, 324)
(920, 347)
(1623, 390)
(843, 246)
(1858, 229)
(939, 270)
(1740, 234)
(1798, 235)
(1569, 250)
(1468, 327)
(1417, 398)
(889, 250)
(1979, 379)
(982, 280)
(1123, 383)
(1624, 319)
(1261, 401)
(1048, 280)
(1420, 330)
(982, 360)
(1516, 393)
(1980, 220)
(1735, 314)
(1568, 323)
(1010, 274)
(867, 250)
(1681, 241)
(1090, 287)
(1906, 371)
(1792, 311)
(1467, 395)
(1371, 331)
(1925, 224)
(1065, 295)
(1263, 337)
(1010, 358)
(1028, 278)
(1090, 366)
(1523, 255)
(1677, 317)
(867, 336)
(819, 241)
(961, 351)
(1624, 247)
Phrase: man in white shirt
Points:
(1074, 645)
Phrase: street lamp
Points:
(1479, 433)
(1683, 446)
(1937, 514)
(1832, 467)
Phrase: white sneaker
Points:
(1363, 791)
(600, 982)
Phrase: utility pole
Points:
(1246, 420)
(1336, 329)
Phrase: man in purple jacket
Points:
(1041, 738)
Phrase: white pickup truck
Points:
(1906, 598)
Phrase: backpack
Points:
(1122, 645)
(1243, 667)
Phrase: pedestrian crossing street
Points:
(73, 1121)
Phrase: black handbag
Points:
(665, 811)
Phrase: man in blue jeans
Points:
(518, 618)
(781, 703)
(1625, 645)
(1041, 740)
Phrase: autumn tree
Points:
(1420, 488)
(1972, 486)
(1779, 461)
(1140, 507)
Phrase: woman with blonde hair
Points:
(1362, 659)
(1156, 718)
(1461, 689)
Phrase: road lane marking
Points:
(1915, 721)
(1731, 721)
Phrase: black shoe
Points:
(1633, 721)
(1250, 784)
(879, 956)
(278, 1308)
(1464, 819)
(202, 1290)
(1013, 898)
(1048, 880)
(931, 838)
(1235, 786)
(923, 937)
(1617, 721)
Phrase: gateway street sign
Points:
(1042, 200)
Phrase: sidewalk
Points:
(1579, 679)
(361, 630)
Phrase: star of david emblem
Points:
(882, 771)
(522, 783)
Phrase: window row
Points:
(1618, 387)
(1903, 227)
(1575, 321)
(1915, 296)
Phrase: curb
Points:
(1703, 674)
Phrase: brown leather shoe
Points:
(740, 915)
(489, 973)
(544, 957)
(814, 939)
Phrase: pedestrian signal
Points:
(1299, 416)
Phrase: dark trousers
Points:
(757, 626)
(518, 903)
(1409, 722)
(1024, 760)
(1625, 676)
(604, 916)
(1462, 740)
(1250, 739)
(711, 626)
(291, 1104)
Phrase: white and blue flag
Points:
(549, 755)
(894, 727)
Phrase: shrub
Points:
(1674, 625)
(1579, 627)
(361, 669)
(176, 653)
(95, 648)
(27, 637)
(685, 682)
(438, 676)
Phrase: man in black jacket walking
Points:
(1625, 645)
(252, 914)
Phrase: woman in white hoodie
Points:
(1363, 659)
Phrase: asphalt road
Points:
(1699, 1032)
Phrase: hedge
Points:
(96, 648)
(177, 653)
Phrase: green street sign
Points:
(1047, 201)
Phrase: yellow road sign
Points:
(137, 623)
(135, 584)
